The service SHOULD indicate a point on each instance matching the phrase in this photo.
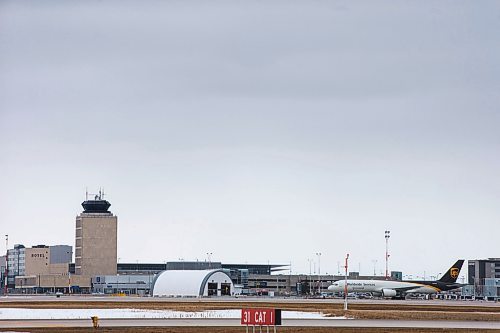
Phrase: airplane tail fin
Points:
(452, 274)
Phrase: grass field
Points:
(387, 310)
(242, 330)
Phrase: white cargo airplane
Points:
(390, 288)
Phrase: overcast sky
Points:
(256, 130)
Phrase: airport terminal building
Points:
(483, 279)
(139, 278)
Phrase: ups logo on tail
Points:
(454, 272)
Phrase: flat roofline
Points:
(213, 262)
(263, 265)
(272, 266)
(140, 263)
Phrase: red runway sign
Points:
(260, 317)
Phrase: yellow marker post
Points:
(95, 321)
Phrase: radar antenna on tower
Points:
(97, 196)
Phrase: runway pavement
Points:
(4, 324)
(92, 298)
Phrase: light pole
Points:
(374, 267)
(345, 283)
(277, 285)
(6, 290)
(387, 236)
(209, 255)
(319, 272)
(310, 277)
(149, 280)
(475, 287)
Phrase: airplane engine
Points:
(388, 292)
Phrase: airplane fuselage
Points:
(390, 288)
(386, 287)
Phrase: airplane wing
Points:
(404, 289)
(394, 291)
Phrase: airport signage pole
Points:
(345, 284)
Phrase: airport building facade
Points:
(483, 279)
(15, 263)
(137, 278)
(41, 284)
(129, 284)
(36, 262)
(3, 265)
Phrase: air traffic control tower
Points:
(96, 238)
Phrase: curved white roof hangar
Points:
(193, 283)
